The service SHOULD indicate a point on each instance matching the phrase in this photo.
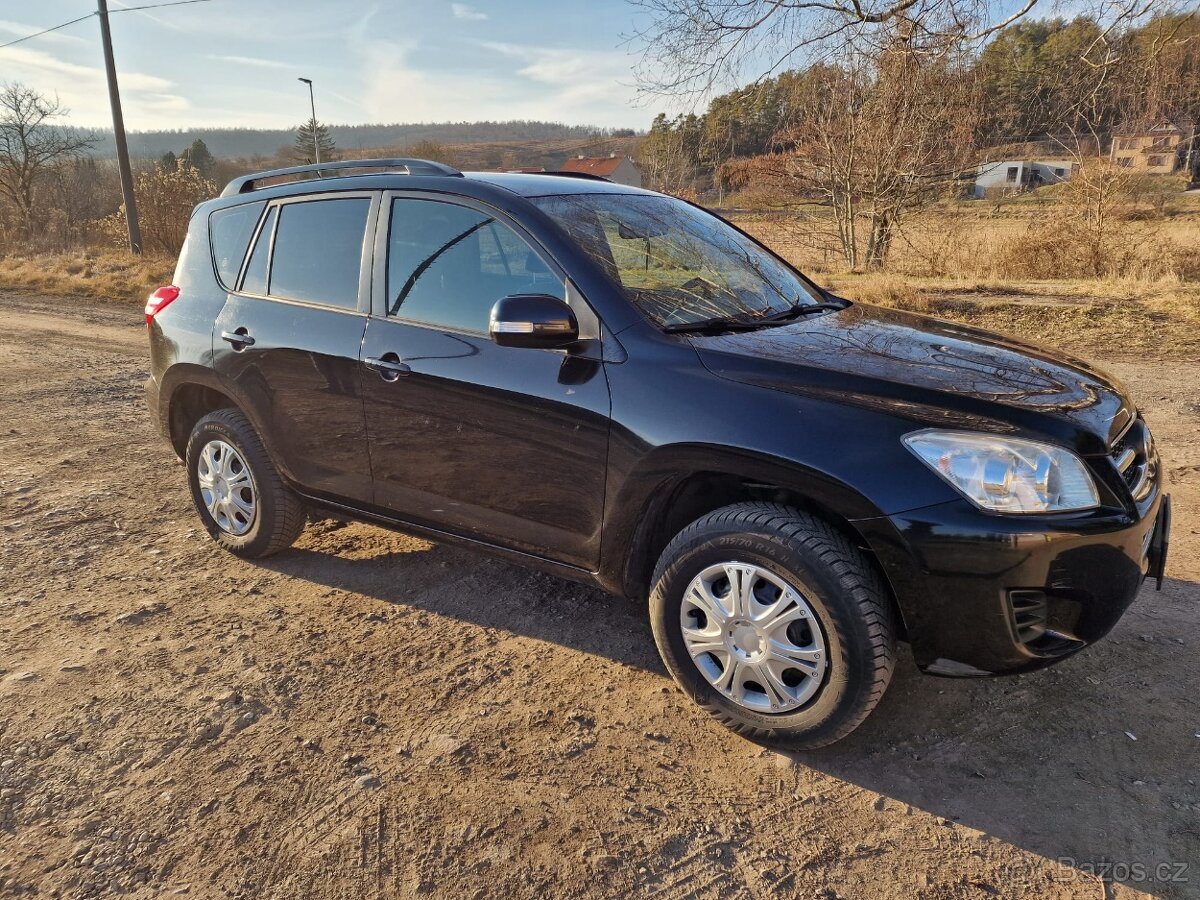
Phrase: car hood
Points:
(931, 371)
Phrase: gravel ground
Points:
(369, 714)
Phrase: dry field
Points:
(1029, 237)
(99, 274)
(370, 715)
(994, 265)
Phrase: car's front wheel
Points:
(775, 623)
(239, 496)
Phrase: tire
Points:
(844, 616)
(278, 514)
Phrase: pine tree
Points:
(168, 162)
(303, 150)
(199, 158)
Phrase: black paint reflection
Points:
(502, 443)
(880, 356)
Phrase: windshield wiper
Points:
(719, 323)
(742, 323)
(801, 309)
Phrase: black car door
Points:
(287, 341)
(503, 444)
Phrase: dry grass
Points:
(104, 274)
(1005, 241)
(1110, 317)
(1009, 267)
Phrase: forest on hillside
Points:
(239, 143)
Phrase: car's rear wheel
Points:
(237, 491)
(775, 623)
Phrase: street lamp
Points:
(313, 105)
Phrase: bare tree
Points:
(874, 140)
(691, 46)
(1116, 80)
(30, 144)
(73, 196)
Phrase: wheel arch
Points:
(690, 482)
(188, 394)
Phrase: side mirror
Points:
(533, 320)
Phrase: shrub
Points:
(165, 200)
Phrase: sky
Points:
(235, 62)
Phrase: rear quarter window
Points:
(229, 232)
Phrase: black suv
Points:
(621, 388)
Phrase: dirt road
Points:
(371, 715)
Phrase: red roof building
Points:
(619, 169)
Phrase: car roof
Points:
(418, 175)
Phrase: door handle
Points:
(388, 366)
(239, 339)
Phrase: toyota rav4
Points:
(621, 388)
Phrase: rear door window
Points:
(449, 264)
(229, 232)
(318, 251)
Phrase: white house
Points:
(1015, 175)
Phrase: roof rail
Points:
(247, 183)
(586, 176)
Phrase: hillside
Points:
(238, 143)
(549, 154)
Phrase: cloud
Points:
(470, 13)
(253, 61)
(35, 60)
(559, 85)
(83, 89)
(571, 78)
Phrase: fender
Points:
(639, 493)
(183, 375)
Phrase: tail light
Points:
(160, 300)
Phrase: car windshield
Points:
(678, 264)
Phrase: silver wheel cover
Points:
(227, 488)
(753, 637)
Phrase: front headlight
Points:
(1006, 474)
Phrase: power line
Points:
(155, 6)
(30, 37)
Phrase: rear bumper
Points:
(984, 594)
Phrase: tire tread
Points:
(290, 514)
(855, 574)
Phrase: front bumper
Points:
(984, 594)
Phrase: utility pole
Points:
(114, 98)
(312, 104)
